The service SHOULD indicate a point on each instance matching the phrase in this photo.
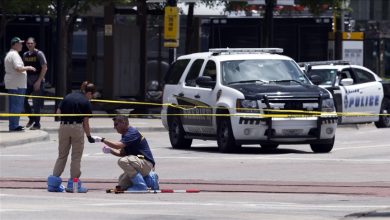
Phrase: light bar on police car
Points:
(245, 50)
(328, 62)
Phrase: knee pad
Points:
(152, 180)
(138, 183)
(54, 184)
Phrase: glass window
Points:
(193, 73)
(235, 71)
(210, 70)
(175, 71)
(363, 76)
(328, 76)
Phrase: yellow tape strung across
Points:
(302, 113)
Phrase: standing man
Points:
(136, 158)
(15, 80)
(35, 81)
(71, 135)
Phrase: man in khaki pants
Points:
(71, 135)
(136, 158)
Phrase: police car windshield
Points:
(328, 76)
(244, 71)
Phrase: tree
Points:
(67, 11)
(10, 8)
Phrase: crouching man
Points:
(136, 158)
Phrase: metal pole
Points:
(58, 80)
(172, 51)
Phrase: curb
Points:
(42, 136)
(111, 130)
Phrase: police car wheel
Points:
(176, 135)
(269, 146)
(322, 148)
(384, 120)
(225, 139)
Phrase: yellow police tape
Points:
(293, 113)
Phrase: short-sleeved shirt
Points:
(136, 144)
(75, 103)
(35, 58)
(12, 78)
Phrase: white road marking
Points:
(360, 147)
(104, 202)
(249, 157)
(278, 158)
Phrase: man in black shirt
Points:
(71, 135)
(35, 80)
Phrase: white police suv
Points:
(246, 96)
(360, 95)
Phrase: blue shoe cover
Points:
(54, 184)
(138, 183)
(69, 187)
(152, 181)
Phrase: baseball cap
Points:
(16, 40)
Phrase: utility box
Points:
(352, 47)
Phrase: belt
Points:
(70, 122)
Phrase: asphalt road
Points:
(291, 182)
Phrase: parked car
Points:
(246, 96)
(360, 95)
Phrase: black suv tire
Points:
(177, 133)
(225, 139)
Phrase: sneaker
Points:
(35, 127)
(19, 128)
(29, 124)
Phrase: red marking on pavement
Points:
(381, 189)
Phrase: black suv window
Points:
(210, 70)
(175, 71)
(363, 76)
(193, 73)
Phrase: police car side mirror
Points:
(315, 79)
(346, 82)
(205, 81)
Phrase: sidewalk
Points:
(48, 125)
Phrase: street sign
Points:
(171, 43)
(171, 23)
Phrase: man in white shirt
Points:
(15, 80)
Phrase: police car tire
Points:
(322, 148)
(225, 139)
(384, 120)
(177, 133)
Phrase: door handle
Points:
(197, 96)
(181, 94)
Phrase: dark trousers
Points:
(37, 104)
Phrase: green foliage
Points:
(11, 7)
(319, 6)
(316, 7)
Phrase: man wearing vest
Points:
(35, 80)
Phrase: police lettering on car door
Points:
(353, 99)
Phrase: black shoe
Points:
(19, 128)
(35, 127)
(29, 124)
